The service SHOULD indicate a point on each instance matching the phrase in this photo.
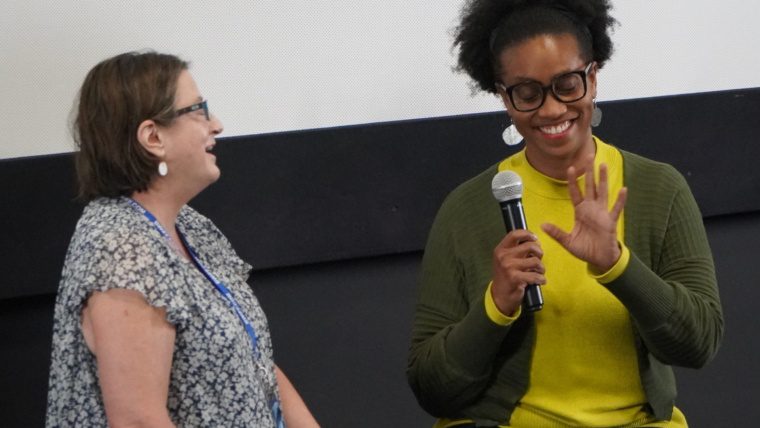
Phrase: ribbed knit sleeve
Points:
(454, 343)
(669, 286)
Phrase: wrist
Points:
(501, 315)
(614, 271)
(609, 262)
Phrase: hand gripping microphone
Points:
(507, 189)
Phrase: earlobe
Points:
(149, 137)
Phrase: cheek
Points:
(521, 121)
(586, 108)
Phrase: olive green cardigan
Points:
(462, 365)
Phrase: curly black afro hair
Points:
(488, 27)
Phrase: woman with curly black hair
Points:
(628, 293)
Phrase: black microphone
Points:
(507, 189)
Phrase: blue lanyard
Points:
(227, 295)
(274, 402)
(217, 284)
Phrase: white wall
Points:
(275, 65)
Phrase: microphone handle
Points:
(533, 300)
(514, 218)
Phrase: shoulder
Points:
(652, 184)
(469, 212)
(105, 224)
(471, 195)
(209, 241)
(198, 226)
(641, 170)
(112, 244)
(655, 189)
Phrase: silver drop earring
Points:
(596, 115)
(511, 135)
(163, 169)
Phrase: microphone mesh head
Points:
(506, 185)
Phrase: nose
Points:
(216, 125)
(552, 107)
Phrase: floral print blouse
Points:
(216, 381)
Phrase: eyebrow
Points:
(521, 79)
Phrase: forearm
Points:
(678, 316)
(454, 342)
(145, 421)
(451, 363)
(294, 410)
(674, 302)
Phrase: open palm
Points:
(593, 238)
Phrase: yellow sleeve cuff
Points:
(616, 270)
(493, 312)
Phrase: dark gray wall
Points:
(335, 220)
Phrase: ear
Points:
(592, 79)
(504, 98)
(149, 137)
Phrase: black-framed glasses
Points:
(197, 106)
(566, 88)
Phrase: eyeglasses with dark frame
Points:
(565, 88)
(197, 106)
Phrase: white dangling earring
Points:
(163, 169)
(511, 135)
(596, 115)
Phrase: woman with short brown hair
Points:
(155, 324)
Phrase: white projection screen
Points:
(279, 65)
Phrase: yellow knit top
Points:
(584, 370)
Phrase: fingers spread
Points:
(602, 188)
(619, 203)
(590, 183)
(572, 186)
(555, 232)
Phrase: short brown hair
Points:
(117, 95)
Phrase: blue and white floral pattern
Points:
(215, 379)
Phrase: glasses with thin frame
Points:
(203, 105)
(531, 95)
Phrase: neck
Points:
(556, 167)
(163, 207)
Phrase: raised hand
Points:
(594, 235)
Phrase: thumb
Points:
(555, 233)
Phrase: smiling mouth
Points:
(556, 129)
(209, 148)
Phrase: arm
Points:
(133, 344)
(294, 410)
(675, 302)
(454, 342)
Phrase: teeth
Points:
(556, 129)
(209, 148)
